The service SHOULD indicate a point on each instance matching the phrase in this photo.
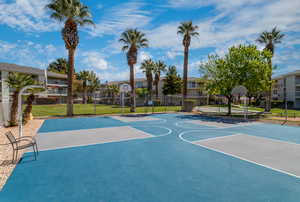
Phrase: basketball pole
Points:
(245, 108)
(124, 88)
(20, 112)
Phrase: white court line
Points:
(148, 121)
(164, 134)
(210, 127)
(138, 119)
(190, 131)
(238, 157)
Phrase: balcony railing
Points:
(297, 93)
(297, 81)
(57, 91)
(57, 82)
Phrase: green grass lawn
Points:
(60, 109)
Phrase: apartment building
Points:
(193, 86)
(292, 83)
(56, 91)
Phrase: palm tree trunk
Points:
(132, 84)
(156, 89)
(14, 108)
(28, 108)
(84, 100)
(70, 82)
(149, 90)
(185, 73)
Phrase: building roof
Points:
(29, 70)
(297, 72)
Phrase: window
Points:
(192, 84)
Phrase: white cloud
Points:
(221, 4)
(6, 47)
(172, 54)
(244, 24)
(26, 15)
(29, 53)
(94, 60)
(114, 75)
(143, 55)
(164, 36)
(120, 18)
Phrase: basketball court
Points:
(162, 157)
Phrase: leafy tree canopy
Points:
(172, 83)
(242, 65)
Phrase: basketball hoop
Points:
(43, 85)
(125, 88)
(239, 91)
(46, 79)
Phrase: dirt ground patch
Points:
(6, 166)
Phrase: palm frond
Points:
(70, 9)
(133, 38)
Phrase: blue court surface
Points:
(170, 165)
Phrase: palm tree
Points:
(94, 84)
(27, 111)
(132, 40)
(60, 65)
(148, 67)
(84, 76)
(159, 67)
(17, 81)
(270, 39)
(73, 13)
(114, 90)
(187, 30)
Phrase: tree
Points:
(94, 84)
(142, 92)
(148, 67)
(114, 91)
(73, 13)
(17, 81)
(172, 83)
(60, 66)
(187, 30)
(159, 67)
(84, 76)
(270, 39)
(242, 65)
(132, 40)
(27, 111)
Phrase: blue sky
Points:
(29, 37)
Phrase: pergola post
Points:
(5, 98)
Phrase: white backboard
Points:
(239, 91)
(125, 88)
